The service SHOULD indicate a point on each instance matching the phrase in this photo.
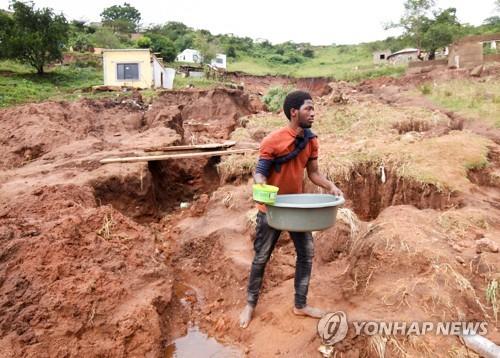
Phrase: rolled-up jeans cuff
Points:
(300, 305)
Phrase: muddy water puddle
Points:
(198, 344)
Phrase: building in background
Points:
(190, 56)
(380, 57)
(469, 51)
(220, 61)
(135, 68)
(404, 56)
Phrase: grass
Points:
(107, 226)
(275, 97)
(184, 82)
(440, 161)
(367, 119)
(365, 133)
(473, 99)
(20, 84)
(492, 297)
(235, 166)
(349, 63)
(443, 161)
(458, 224)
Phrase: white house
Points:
(220, 61)
(135, 68)
(404, 56)
(189, 55)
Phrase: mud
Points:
(71, 277)
(489, 175)
(201, 116)
(101, 261)
(370, 194)
(317, 86)
(80, 275)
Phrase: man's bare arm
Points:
(319, 179)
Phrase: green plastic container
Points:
(264, 193)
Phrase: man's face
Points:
(306, 114)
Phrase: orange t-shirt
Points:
(290, 179)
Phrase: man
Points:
(283, 156)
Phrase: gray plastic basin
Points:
(303, 212)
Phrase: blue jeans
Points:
(265, 240)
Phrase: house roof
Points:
(125, 50)
(157, 59)
(403, 51)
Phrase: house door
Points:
(161, 79)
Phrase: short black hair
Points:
(295, 100)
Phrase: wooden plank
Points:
(197, 147)
(150, 158)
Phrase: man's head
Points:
(299, 108)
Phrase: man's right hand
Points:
(258, 178)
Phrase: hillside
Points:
(348, 63)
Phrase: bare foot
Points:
(309, 311)
(246, 316)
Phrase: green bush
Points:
(287, 59)
(276, 59)
(164, 46)
(293, 58)
(105, 38)
(426, 88)
(80, 42)
(275, 96)
(308, 52)
(144, 42)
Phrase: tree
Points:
(164, 46)
(123, 18)
(105, 38)
(175, 30)
(441, 31)
(184, 42)
(34, 36)
(80, 42)
(207, 48)
(6, 24)
(231, 52)
(493, 21)
(308, 52)
(144, 42)
(80, 26)
(413, 19)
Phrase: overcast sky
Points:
(320, 22)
